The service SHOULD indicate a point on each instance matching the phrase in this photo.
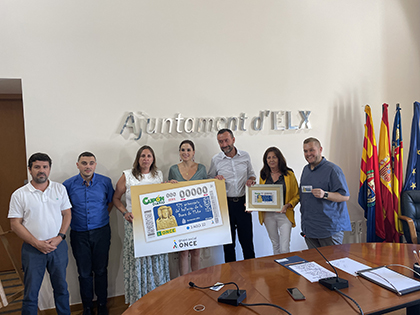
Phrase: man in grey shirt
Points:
(234, 166)
(323, 196)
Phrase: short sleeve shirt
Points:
(323, 218)
(174, 173)
(40, 210)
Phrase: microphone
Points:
(331, 283)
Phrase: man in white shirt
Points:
(234, 166)
(40, 215)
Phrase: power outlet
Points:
(359, 227)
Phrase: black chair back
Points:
(410, 207)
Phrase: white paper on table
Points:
(392, 280)
(349, 265)
(312, 271)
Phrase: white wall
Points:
(85, 64)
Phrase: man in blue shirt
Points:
(323, 196)
(90, 236)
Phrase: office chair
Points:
(4, 301)
(3, 298)
(410, 215)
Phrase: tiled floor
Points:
(12, 284)
(116, 306)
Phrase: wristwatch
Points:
(63, 236)
(325, 195)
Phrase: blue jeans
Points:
(90, 249)
(34, 264)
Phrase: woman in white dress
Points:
(141, 275)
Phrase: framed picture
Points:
(264, 197)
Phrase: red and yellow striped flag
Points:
(385, 171)
(369, 190)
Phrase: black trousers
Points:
(90, 249)
(241, 221)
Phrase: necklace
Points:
(187, 169)
(275, 176)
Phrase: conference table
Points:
(265, 281)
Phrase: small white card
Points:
(306, 189)
(217, 286)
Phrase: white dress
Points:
(141, 275)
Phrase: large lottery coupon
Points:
(182, 216)
(181, 210)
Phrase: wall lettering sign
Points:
(140, 123)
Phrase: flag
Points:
(412, 176)
(369, 191)
(397, 167)
(385, 172)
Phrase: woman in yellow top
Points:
(279, 224)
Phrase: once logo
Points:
(187, 244)
(166, 232)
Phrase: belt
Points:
(235, 199)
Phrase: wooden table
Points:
(265, 281)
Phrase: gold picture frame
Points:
(264, 198)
